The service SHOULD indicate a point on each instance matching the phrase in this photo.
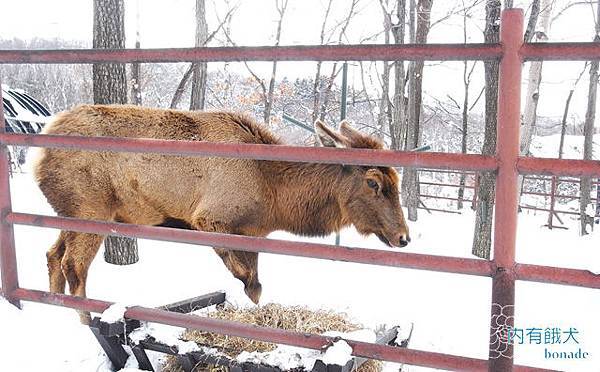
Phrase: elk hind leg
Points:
(54, 258)
(80, 252)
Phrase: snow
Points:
(289, 357)
(164, 334)
(450, 312)
(547, 146)
(363, 335)
(403, 335)
(114, 313)
(339, 353)
(284, 357)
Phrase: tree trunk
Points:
(334, 70)
(382, 116)
(410, 181)
(482, 239)
(136, 91)
(120, 250)
(110, 82)
(588, 134)
(110, 86)
(465, 128)
(535, 76)
(270, 94)
(199, 69)
(465, 113)
(317, 82)
(398, 124)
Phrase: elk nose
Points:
(404, 240)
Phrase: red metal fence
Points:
(503, 269)
(550, 199)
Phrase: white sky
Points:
(171, 24)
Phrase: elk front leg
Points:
(243, 265)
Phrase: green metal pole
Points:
(344, 91)
(298, 123)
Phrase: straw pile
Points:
(290, 318)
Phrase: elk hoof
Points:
(85, 317)
(253, 291)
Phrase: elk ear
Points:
(328, 137)
(358, 139)
(347, 130)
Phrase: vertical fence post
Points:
(507, 193)
(8, 259)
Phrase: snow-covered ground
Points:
(450, 312)
(547, 146)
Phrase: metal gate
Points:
(507, 164)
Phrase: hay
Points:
(289, 318)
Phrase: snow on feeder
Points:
(196, 350)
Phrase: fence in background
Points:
(503, 269)
(433, 189)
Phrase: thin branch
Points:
(478, 97)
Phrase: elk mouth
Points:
(384, 239)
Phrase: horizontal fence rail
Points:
(469, 266)
(310, 341)
(560, 51)
(258, 152)
(559, 167)
(456, 52)
(506, 164)
(407, 52)
(436, 160)
(457, 265)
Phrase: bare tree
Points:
(200, 96)
(199, 69)
(110, 86)
(382, 116)
(268, 91)
(563, 131)
(136, 91)
(588, 134)
(467, 74)
(334, 68)
(410, 180)
(110, 82)
(317, 82)
(482, 239)
(563, 124)
(398, 124)
(539, 34)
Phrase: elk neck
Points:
(308, 199)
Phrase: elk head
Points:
(369, 196)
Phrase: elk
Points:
(235, 196)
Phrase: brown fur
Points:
(237, 196)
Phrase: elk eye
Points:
(373, 184)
